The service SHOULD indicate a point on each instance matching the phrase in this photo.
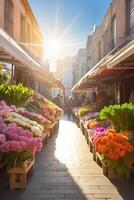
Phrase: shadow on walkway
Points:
(51, 179)
(64, 169)
(125, 188)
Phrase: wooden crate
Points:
(113, 176)
(98, 160)
(86, 135)
(57, 125)
(18, 175)
(90, 144)
(109, 172)
(2, 165)
(44, 137)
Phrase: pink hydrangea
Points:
(2, 103)
(13, 146)
(2, 139)
(13, 107)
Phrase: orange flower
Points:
(114, 145)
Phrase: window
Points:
(105, 41)
(99, 51)
(23, 29)
(131, 14)
(9, 17)
(28, 34)
(113, 32)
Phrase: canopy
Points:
(11, 52)
(118, 62)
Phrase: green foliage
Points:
(5, 75)
(83, 111)
(15, 159)
(121, 166)
(15, 94)
(120, 116)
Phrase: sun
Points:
(54, 49)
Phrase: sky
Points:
(69, 21)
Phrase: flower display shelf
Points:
(52, 129)
(57, 125)
(2, 165)
(113, 176)
(44, 137)
(90, 144)
(109, 172)
(18, 175)
(82, 126)
(86, 134)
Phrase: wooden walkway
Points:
(65, 170)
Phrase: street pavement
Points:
(64, 169)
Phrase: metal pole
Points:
(12, 73)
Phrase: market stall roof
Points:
(11, 52)
(118, 62)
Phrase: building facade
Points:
(17, 19)
(19, 22)
(64, 72)
(80, 65)
(116, 28)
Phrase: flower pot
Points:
(129, 134)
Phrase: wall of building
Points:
(64, 72)
(32, 33)
(80, 65)
(102, 39)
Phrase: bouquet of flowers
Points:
(36, 117)
(95, 123)
(83, 111)
(5, 110)
(15, 94)
(98, 133)
(17, 144)
(114, 150)
(36, 128)
(40, 105)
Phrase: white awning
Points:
(11, 52)
(121, 55)
(111, 61)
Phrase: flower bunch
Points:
(36, 117)
(40, 105)
(36, 128)
(19, 140)
(94, 123)
(113, 146)
(5, 111)
(98, 133)
(2, 138)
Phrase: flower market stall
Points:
(110, 135)
(26, 119)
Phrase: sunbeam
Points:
(56, 18)
(65, 32)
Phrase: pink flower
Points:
(2, 139)
(13, 107)
(98, 133)
(2, 103)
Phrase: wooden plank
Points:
(18, 175)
